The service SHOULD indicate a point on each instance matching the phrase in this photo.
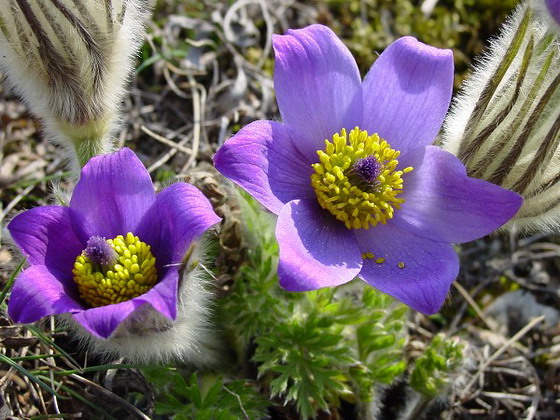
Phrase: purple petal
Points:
(317, 85)
(179, 215)
(45, 236)
(262, 159)
(316, 250)
(407, 93)
(444, 204)
(102, 321)
(163, 296)
(113, 193)
(38, 293)
(554, 9)
(429, 267)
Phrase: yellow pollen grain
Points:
(380, 260)
(358, 206)
(400, 264)
(132, 274)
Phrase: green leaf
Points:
(29, 375)
(433, 370)
(11, 280)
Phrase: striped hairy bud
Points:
(69, 60)
(505, 122)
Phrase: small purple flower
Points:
(115, 249)
(351, 173)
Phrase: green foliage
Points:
(380, 342)
(256, 302)
(303, 361)
(431, 373)
(314, 348)
(204, 398)
(305, 356)
(165, 176)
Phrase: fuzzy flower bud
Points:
(69, 61)
(505, 123)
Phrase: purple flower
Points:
(389, 219)
(116, 248)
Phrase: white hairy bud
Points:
(70, 60)
(505, 122)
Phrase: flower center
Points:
(114, 270)
(368, 169)
(356, 179)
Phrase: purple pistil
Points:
(368, 169)
(99, 252)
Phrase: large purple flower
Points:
(117, 247)
(357, 187)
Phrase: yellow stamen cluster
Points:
(132, 274)
(358, 205)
